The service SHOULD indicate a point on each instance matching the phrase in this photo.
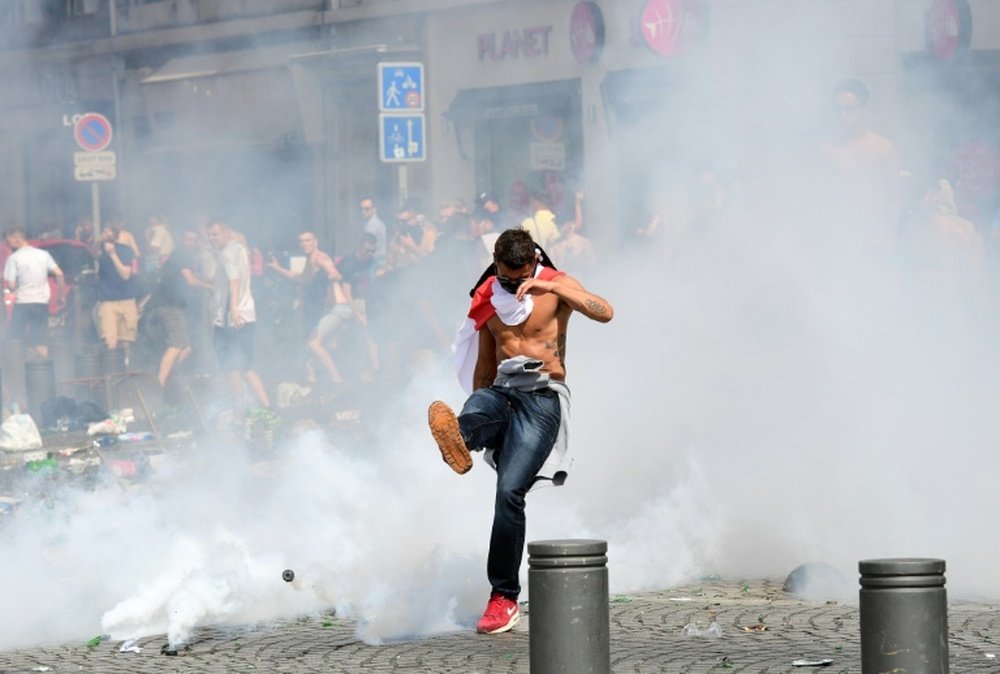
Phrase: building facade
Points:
(268, 112)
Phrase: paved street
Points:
(763, 630)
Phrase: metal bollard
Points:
(87, 365)
(112, 360)
(904, 616)
(39, 386)
(568, 621)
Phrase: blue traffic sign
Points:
(401, 87)
(401, 138)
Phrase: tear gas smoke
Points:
(771, 392)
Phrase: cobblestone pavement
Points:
(763, 630)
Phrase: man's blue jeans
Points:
(520, 427)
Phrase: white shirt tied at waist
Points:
(525, 374)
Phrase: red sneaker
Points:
(501, 614)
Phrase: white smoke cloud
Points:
(768, 394)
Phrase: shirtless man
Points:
(318, 276)
(519, 409)
(863, 169)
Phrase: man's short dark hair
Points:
(515, 248)
(15, 231)
(853, 86)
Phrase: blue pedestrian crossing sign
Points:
(401, 87)
(401, 138)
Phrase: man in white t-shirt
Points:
(26, 275)
(235, 312)
(374, 226)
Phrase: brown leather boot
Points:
(444, 428)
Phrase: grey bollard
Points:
(904, 616)
(568, 621)
(87, 365)
(112, 360)
(39, 386)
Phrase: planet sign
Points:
(92, 132)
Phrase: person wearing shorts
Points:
(235, 313)
(26, 275)
(353, 272)
(117, 314)
(176, 290)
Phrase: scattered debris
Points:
(130, 646)
(167, 649)
(812, 663)
(142, 436)
(759, 627)
(122, 467)
(290, 394)
(19, 432)
(42, 466)
(713, 630)
(8, 504)
(348, 415)
(818, 581)
(96, 641)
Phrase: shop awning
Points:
(352, 63)
(221, 63)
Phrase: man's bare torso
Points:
(541, 336)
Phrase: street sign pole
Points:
(95, 207)
(93, 135)
(404, 188)
(402, 122)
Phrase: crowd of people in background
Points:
(186, 301)
(192, 295)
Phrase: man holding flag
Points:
(511, 358)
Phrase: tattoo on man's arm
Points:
(595, 306)
(552, 346)
(484, 381)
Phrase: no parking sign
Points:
(92, 132)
